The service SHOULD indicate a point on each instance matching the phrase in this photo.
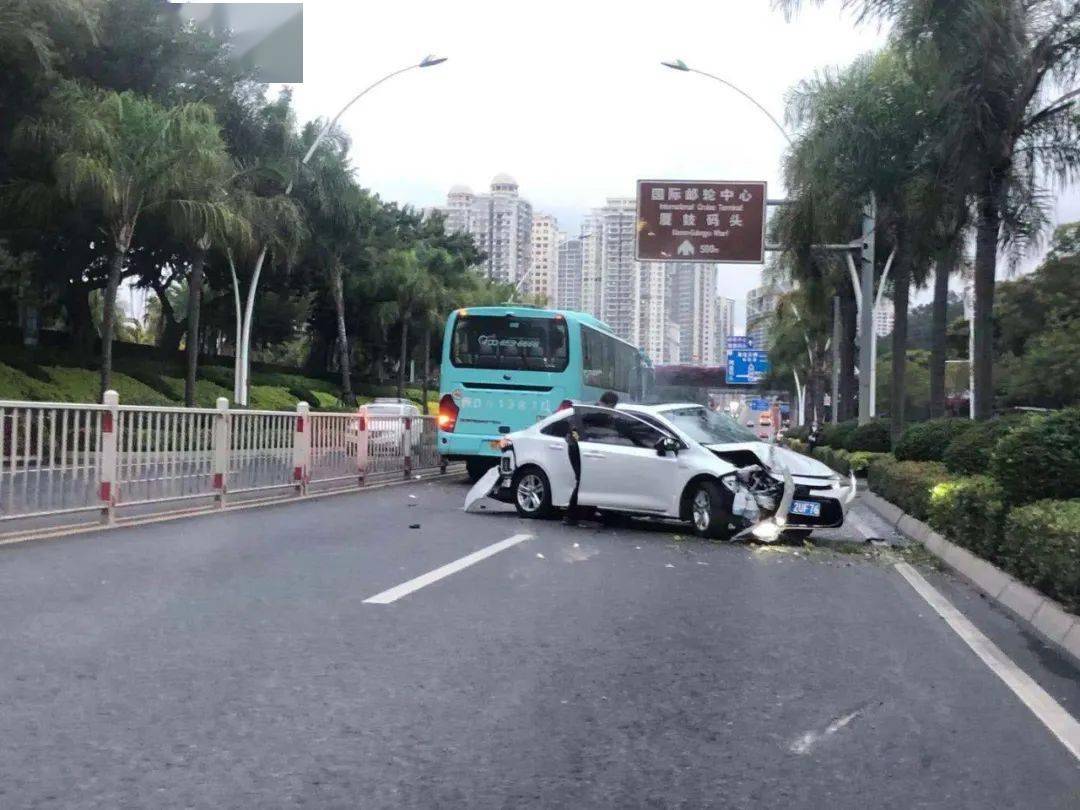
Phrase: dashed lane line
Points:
(1051, 713)
(405, 588)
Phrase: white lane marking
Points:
(405, 588)
(1052, 715)
(811, 738)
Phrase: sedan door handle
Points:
(593, 454)
(556, 446)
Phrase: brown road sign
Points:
(701, 221)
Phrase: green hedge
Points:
(969, 453)
(797, 445)
(1040, 459)
(860, 461)
(836, 436)
(799, 432)
(837, 459)
(908, 484)
(926, 441)
(873, 437)
(971, 512)
(1043, 549)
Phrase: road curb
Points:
(1040, 613)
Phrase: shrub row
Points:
(1031, 457)
(908, 484)
(1043, 549)
(1040, 459)
(971, 512)
(926, 441)
(873, 437)
(1038, 543)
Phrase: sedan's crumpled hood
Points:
(776, 457)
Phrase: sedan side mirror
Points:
(666, 445)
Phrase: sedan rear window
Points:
(491, 341)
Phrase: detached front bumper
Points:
(504, 490)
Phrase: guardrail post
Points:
(302, 447)
(221, 447)
(361, 447)
(406, 446)
(107, 474)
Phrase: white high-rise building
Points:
(500, 222)
(884, 318)
(651, 315)
(672, 344)
(592, 299)
(761, 302)
(567, 287)
(692, 304)
(620, 280)
(725, 326)
(544, 251)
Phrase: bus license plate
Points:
(806, 508)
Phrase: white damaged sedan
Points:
(681, 462)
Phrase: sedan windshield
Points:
(708, 427)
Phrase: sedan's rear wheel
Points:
(710, 511)
(532, 493)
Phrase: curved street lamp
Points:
(680, 65)
(427, 61)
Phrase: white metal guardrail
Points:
(59, 458)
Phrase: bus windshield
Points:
(505, 342)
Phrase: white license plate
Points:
(806, 508)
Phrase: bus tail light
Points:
(564, 405)
(448, 413)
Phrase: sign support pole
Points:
(866, 313)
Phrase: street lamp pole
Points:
(680, 65)
(863, 284)
(243, 351)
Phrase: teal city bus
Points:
(505, 368)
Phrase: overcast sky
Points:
(568, 97)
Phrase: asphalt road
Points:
(231, 661)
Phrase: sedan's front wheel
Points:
(710, 510)
(532, 493)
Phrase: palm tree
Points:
(125, 156)
(338, 210)
(860, 133)
(202, 227)
(1005, 127)
(413, 291)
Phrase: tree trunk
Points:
(80, 321)
(337, 282)
(942, 270)
(427, 366)
(108, 318)
(898, 383)
(403, 357)
(195, 285)
(848, 384)
(986, 244)
(168, 339)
